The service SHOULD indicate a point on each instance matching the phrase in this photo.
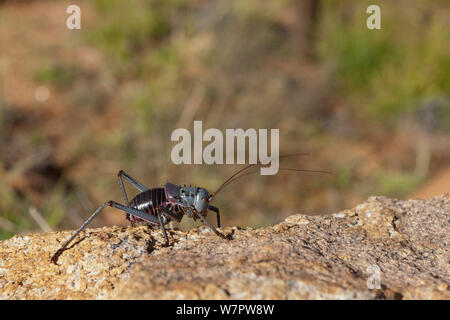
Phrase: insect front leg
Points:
(216, 210)
(210, 226)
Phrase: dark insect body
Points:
(169, 202)
(159, 206)
(150, 202)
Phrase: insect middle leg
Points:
(171, 214)
(143, 215)
(163, 229)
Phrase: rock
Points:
(305, 257)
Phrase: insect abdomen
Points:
(148, 201)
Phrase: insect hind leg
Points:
(149, 218)
(132, 181)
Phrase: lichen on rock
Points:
(406, 243)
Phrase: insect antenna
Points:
(279, 169)
(234, 176)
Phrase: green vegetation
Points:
(356, 102)
(126, 29)
(12, 219)
(57, 75)
(388, 73)
(398, 184)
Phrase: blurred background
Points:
(76, 106)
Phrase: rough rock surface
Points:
(304, 257)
